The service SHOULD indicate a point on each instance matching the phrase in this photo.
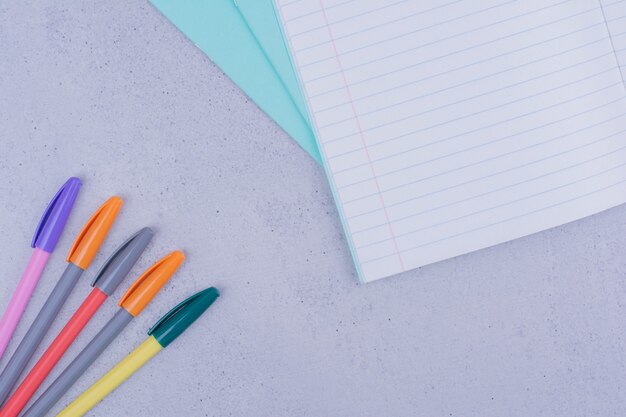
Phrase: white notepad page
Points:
(449, 126)
(615, 14)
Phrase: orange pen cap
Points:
(93, 234)
(150, 282)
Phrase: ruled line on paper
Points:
(607, 5)
(362, 14)
(491, 175)
(339, 171)
(491, 143)
(355, 254)
(534, 111)
(615, 15)
(614, 168)
(325, 9)
(490, 25)
(387, 141)
(461, 184)
(318, 11)
(509, 219)
(615, 184)
(289, 3)
(416, 31)
(391, 231)
(491, 125)
(433, 209)
(606, 22)
(338, 138)
(413, 15)
(516, 100)
(466, 99)
(473, 63)
(465, 49)
(622, 148)
(345, 202)
(457, 135)
(451, 87)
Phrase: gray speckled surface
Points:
(113, 93)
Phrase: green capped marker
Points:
(164, 332)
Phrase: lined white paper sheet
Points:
(449, 126)
(615, 15)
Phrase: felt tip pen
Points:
(44, 241)
(106, 281)
(132, 303)
(164, 332)
(81, 254)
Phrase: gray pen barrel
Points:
(79, 365)
(38, 330)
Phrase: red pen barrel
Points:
(53, 354)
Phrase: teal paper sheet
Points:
(218, 28)
(262, 21)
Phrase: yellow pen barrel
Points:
(114, 378)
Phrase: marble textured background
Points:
(112, 92)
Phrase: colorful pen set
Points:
(82, 253)
(132, 303)
(106, 280)
(164, 332)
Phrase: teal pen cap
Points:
(178, 319)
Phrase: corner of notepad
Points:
(291, 61)
(355, 260)
(312, 148)
(359, 270)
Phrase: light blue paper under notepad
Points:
(261, 18)
(219, 30)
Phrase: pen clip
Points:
(119, 264)
(93, 233)
(150, 282)
(55, 216)
(178, 319)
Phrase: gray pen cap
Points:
(121, 262)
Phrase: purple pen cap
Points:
(55, 217)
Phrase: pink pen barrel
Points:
(44, 241)
(20, 297)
